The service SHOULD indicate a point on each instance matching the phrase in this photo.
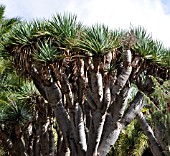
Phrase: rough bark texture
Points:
(155, 147)
(112, 132)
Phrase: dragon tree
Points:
(84, 76)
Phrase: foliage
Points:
(149, 48)
(132, 141)
(2, 152)
(160, 113)
(65, 29)
(47, 52)
(98, 39)
(14, 100)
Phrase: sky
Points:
(153, 15)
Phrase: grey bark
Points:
(82, 144)
(95, 132)
(156, 149)
(113, 132)
(44, 139)
(51, 138)
(54, 97)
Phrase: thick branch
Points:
(112, 134)
(55, 100)
(107, 94)
(156, 149)
(97, 88)
(88, 93)
(118, 107)
(121, 80)
(66, 89)
(80, 130)
(95, 132)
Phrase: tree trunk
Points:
(82, 144)
(95, 132)
(20, 149)
(54, 97)
(51, 138)
(44, 143)
(7, 143)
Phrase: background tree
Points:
(19, 113)
(84, 74)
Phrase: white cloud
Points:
(152, 14)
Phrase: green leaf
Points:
(46, 52)
(98, 39)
